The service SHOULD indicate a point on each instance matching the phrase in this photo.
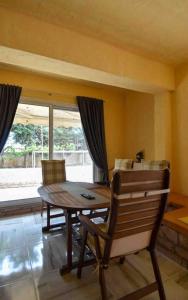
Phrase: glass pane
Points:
(69, 143)
(20, 166)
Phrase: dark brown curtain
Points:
(9, 98)
(92, 117)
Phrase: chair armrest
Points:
(92, 228)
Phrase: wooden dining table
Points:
(67, 196)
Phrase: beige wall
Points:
(139, 124)
(33, 35)
(60, 92)
(148, 125)
(180, 131)
(163, 126)
(133, 121)
(129, 116)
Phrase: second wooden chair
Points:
(53, 171)
(138, 200)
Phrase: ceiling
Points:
(154, 28)
(39, 115)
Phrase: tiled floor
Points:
(30, 262)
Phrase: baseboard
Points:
(21, 206)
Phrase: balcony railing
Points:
(33, 159)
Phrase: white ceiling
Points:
(155, 28)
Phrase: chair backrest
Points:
(137, 207)
(53, 171)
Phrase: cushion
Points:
(130, 244)
(90, 239)
(151, 165)
(123, 164)
(122, 246)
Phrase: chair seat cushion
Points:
(130, 244)
(122, 246)
(90, 239)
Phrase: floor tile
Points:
(33, 233)
(144, 267)
(89, 291)
(38, 218)
(11, 236)
(168, 266)
(131, 274)
(20, 290)
(14, 264)
(174, 291)
(28, 219)
(48, 255)
(30, 262)
(118, 282)
(53, 286)
(11, 220)
(181, 278)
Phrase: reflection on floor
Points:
(30, 261)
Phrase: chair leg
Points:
(107, 214)
(48, 216)
(42, 208)
(121, 260)
(157, 275)
(102, 283)
(82, 251)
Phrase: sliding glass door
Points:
(20, 168)
(69, 143)
(42, 132)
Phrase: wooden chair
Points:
(53, 171)
(138, 200)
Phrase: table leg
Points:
(67, 268)
(48, 216)
(71, 265)
(48, 226)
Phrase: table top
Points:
(67, 195)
